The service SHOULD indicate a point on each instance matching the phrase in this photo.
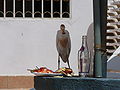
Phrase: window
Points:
(18, 8)
(65, 9)
(35, 8)
(28, 8)
(56, 8)
(47, 8)
(9, 8)
(1, 8)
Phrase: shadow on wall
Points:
(90, 42)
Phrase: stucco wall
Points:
(25, 43)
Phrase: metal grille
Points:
(113, 26)
(35, 8)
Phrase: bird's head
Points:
(62, 27)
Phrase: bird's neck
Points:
(63, 31)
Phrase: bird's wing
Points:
(57, 42)
(69, 44)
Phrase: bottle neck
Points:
(84, 41)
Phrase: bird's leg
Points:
(68, 63)
(58, 61)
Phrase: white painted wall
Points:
(25, 43)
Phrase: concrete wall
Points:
(25, 43)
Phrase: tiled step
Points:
(14, 82)
(17, 89)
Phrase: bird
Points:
(63, 45)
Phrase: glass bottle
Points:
(83, 58)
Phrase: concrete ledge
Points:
(11, 82)
(75, 83)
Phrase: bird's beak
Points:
(63, 31)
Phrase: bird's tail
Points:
(64, 58)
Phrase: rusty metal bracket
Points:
(100, 47)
